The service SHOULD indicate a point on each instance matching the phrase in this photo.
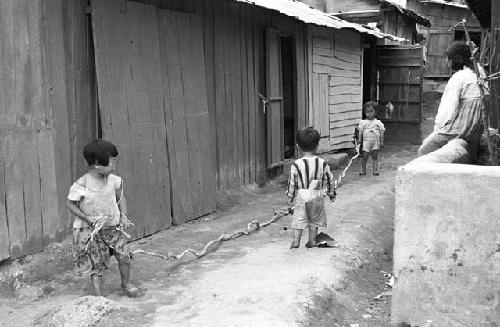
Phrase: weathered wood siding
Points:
(351, 5)
(34, 136)
(438, 36)
(395, 23)
(80, 82)
(49, 105)
(235, 69)
(336, 90)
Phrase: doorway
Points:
(289, 112)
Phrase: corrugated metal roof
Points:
(445, 2)
(482, 10)
(310, 15)
(410, 13)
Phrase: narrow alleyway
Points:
(251, 281)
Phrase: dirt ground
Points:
(254, 280)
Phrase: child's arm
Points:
(330, 182)
(292, 184)
(360, 132)
(122, 206)
(74, 209)
(382, 130)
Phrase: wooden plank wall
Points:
(33, 124)
(52, 113)
(80, 82)
(333, 6)
(131, 98)
(395, 23)
(234, 65)
(336, 90)
(438, 38)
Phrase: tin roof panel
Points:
(309, 15)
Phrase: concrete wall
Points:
(447, 245)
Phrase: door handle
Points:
(265, 102)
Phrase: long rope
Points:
(252, 226)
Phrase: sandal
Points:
(362, 174)
(376, 174)
(294, 245)
(131, 291)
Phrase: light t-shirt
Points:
(97, 197)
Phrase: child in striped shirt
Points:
(309, 181)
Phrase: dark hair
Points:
(366, 105)
(460, 55)
(99, 151)
(308, 139)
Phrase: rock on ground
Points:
(86, 311)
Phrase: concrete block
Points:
(447, 245)
(336, 160)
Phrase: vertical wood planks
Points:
(30, 206)
(57, 108)
(274, 92)
(131, 96)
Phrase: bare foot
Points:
(310, 244)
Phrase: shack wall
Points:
(335, 86)
(34, 132)
(49, 104)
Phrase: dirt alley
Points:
(254, 280)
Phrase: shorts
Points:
(94, 258)
(300, 219)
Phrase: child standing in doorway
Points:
(371, 137)
(309, 181)
(94, 199)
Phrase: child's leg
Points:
(313, 232)
(96, 283)
(297, 234)
(364, 156)
(124, 268)
(375, 162)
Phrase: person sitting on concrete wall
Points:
(459, 113)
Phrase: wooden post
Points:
(486, 120)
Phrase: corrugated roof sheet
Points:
(410, 13)
(482, 10)
(446, 3)
(310, 15)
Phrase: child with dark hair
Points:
(459, 112)
(371, 137)
(309, 181)
(98, 195)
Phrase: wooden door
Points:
(153, 101)
(437, 44)
(274, 93)
(400, 82)
(192, 170)
(129, 78)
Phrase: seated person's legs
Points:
(433, 142)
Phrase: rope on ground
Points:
(251, 227)
(342, 174)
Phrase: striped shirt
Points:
(305, 170)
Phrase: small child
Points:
(310, 180)
(371, 137)
(95, 196)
